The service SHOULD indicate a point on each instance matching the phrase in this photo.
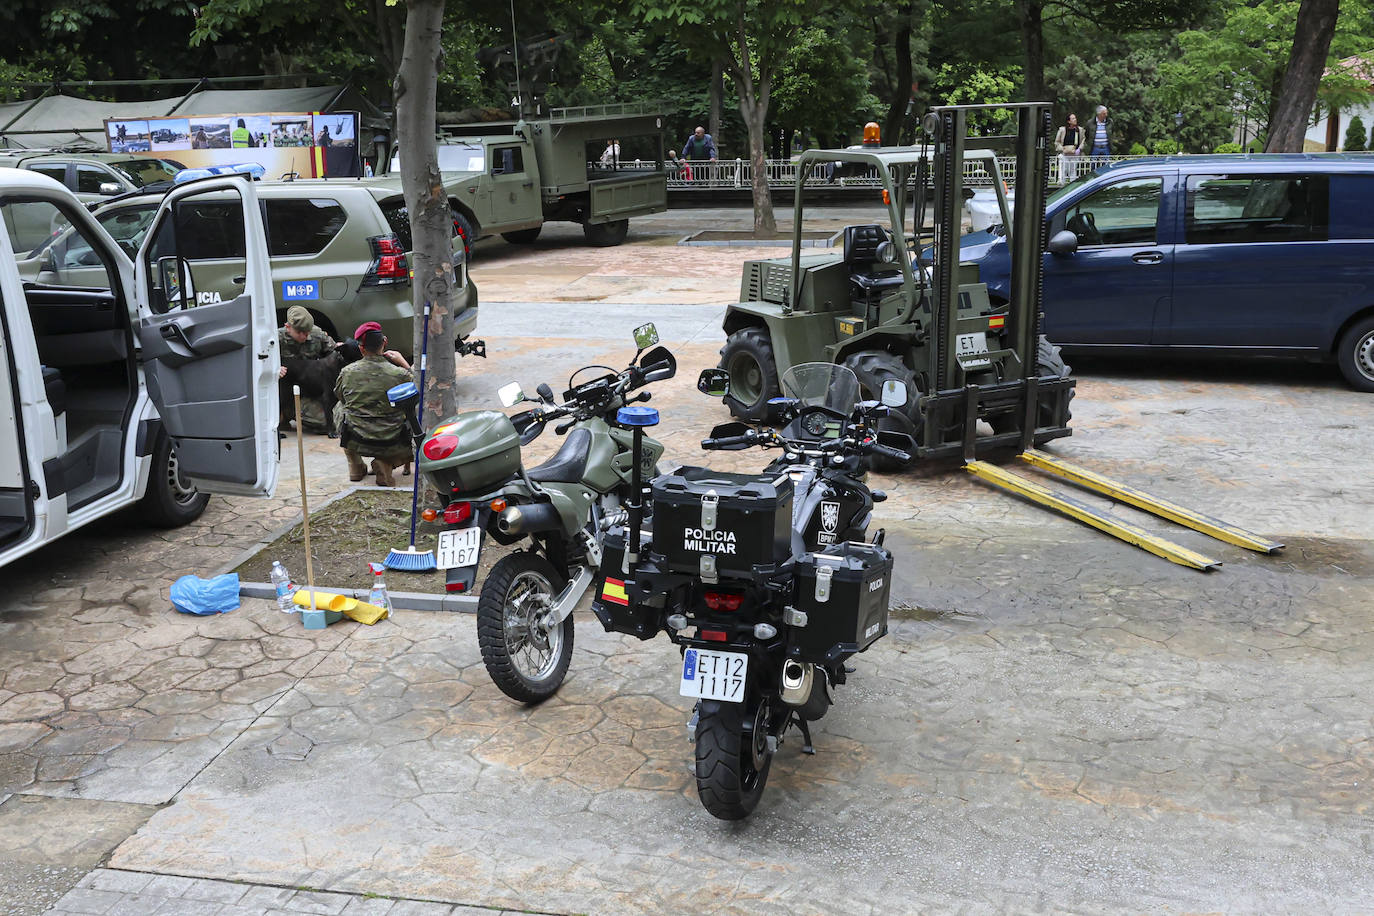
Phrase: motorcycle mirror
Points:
(545, 392)
(658, 364)
(714, 382)
(894, 393)
(646, 335)
(510, 395)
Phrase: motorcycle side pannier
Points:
(488, 451)
(844, 592)
(713, 524)
(614, 599)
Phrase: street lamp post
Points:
(1178, 129)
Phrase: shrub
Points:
(1166, 147)
(1255, 146)
(1354, 136)
(1228, 148)
(1137, 149)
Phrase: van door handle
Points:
(528, 184)
(1147, 257)
(175, 333)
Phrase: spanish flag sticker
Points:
(614, 590)
(996, 321)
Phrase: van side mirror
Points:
(110, 188)
(714, 383)
(171, 277)
(1064, 242)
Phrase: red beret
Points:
(364, 328)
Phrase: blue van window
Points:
(1125, 213)
(1223, 209)
(1352, 206)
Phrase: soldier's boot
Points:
(356, 469)
(385, 478)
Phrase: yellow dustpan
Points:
(351, 608)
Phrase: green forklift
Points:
(897, 304)
(891, 306)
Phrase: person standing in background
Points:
(1099, 136)
(1069, 142)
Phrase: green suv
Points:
(338, 247)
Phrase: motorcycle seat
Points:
(569, 463)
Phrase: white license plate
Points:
(972, 350)
(711, 675)
(459, 547)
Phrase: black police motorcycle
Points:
(768, 582)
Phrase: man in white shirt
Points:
(1099, 136)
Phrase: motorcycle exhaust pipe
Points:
(528, 519)
(797, 680)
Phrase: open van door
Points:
(207, 326)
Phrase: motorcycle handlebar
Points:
(729, 441)
(562, 428)
(893, 453)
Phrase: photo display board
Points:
(303, 145)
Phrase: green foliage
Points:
(1354, 136)
(1138, 149)
(1227, 148)
(822, 87)
(1256, 145)
(981, 86)
(1165, 147)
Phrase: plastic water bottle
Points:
(378, 597)
(285, 588)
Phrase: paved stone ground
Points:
(1059, 722)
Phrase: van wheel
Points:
(1355, 355)
(171, 500)
(606, 235)
(522, 236)
(748, 357)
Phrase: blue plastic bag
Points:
(194, 595)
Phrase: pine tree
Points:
(1354, 136)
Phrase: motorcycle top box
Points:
(843, 592)
(712, 524)
(475, 449)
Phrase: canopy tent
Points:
(69, 121)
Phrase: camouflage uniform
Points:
(317, 346)
(375, 429)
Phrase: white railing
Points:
(782, 173)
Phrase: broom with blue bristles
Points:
(410, 559)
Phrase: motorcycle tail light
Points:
(723, 601)
(456, 587)
(713, 635)
(440, 447)
(457, 513)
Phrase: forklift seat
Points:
(867, 274)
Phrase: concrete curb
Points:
(409, 601)
(693, 241)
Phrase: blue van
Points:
(1264, 255)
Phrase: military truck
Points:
(598, 165)
(890, 307)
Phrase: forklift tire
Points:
(606, 235)
(522, 236)
(873, 367)
(1052, 365)
(748, 357)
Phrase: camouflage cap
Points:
(300, 319)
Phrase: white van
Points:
(124, 382)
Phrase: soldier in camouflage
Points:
(371, 427)
(300, 338)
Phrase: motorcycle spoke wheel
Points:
(526, 658)
(731, 762)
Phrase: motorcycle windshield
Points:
(822, 385)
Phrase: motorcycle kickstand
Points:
(805, 729)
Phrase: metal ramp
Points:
(1119, 528)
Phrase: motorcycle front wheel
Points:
(526, 659)
(732, 763)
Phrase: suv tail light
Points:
(723, 601)
(389, 265)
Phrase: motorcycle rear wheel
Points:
(732, 764)
(526, 661)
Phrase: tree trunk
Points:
(1297, 93)
(431, 224)
(1031, 16)
(717, 100)
(901, 86)
(754, 114)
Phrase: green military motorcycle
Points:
(558, 509)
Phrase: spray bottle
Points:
(378, 597)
